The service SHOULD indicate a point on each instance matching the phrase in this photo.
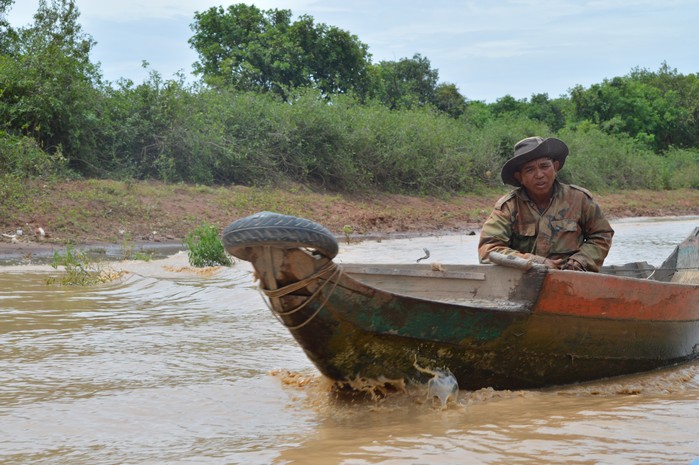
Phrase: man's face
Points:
(537, 176)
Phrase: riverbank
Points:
(118, 218)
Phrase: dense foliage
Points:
(246, 48)
(283, 100)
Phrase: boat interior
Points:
(496, 284)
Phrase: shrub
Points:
(79, 269)
(22, 157)
(603, 162)
(205, 248)
(682, 168)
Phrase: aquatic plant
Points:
(347, 230)
(79, 270)
(204, 248)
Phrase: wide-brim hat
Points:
(530, 149)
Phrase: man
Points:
(544, 220)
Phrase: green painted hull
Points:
(506, 327)
(358, 334)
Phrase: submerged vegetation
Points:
(79, 269)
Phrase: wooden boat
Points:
(509, 325)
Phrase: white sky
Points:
(488, 48)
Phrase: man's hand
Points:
(573, 265)
(563, 264)
(555, 264)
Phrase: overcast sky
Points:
(488, 48)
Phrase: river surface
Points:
(172, 366)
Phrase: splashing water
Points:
(442, 385)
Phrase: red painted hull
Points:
(507, 327)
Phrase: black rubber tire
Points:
(277, 230)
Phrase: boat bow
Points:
(515, 326)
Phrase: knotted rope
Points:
(329, 272)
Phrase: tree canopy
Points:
(263, 50)
(48, 82)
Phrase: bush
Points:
(22, 157)
(491, 144)
(205, 248)
(682, 168)
(603, 162)
(79, 270)
(22, 160)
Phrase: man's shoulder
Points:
(505, 198)
(580, 189)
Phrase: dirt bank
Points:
(116, 215)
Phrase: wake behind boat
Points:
(509, 325)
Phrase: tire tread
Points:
(275, 229)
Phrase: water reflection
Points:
(171, 366)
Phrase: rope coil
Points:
(293, 287)
(330, 272)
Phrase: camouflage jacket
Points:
(573, 226)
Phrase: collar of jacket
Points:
(521, 192)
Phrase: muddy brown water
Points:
(172, 366)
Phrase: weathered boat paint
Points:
(584, 295)
(490, 325)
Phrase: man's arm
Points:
(597, 239)
(496, 236)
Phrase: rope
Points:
(293, 287)
(331, 268)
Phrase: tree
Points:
(252, 49)
(508, 104)
(7, 34)
(406, 83)
(48, 82)
(685, 131)
(448, 99)
(541, 108)
(629, 105)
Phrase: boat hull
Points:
(359, 334)
(506, 327)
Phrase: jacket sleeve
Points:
(597, 238)
(496, 235)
